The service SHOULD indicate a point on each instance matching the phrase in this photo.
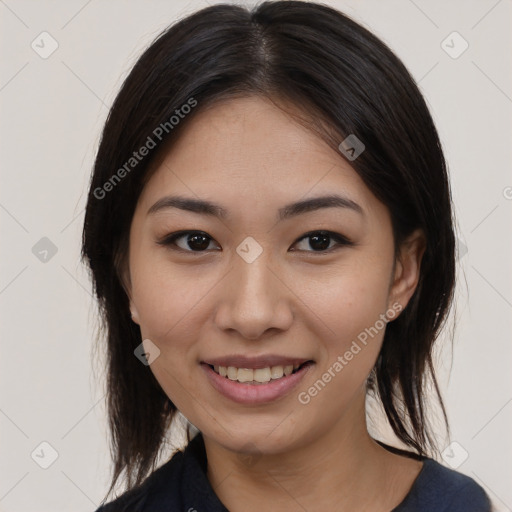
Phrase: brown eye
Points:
(189, 241)
(320, 241)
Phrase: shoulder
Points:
(444, 490)
(164, 479)
(180, 484)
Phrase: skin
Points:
(252, 158)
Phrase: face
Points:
(254, 285)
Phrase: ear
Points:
(134, 312)
(123, 274)
(407, 269)
(133, 309)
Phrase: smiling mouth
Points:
(258, 375)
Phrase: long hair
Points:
(346, 82)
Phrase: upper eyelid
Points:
(172, 237)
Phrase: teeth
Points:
(245, 375)
(261, 375)
(276, 372)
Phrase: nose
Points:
(254, 299)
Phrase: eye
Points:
(189, 241)
(199, 241)
(320, 241)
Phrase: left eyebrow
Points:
(291, 210)
(316, 203)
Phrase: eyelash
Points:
(341, 240)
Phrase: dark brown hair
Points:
(345, 81)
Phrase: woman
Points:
(267, 219)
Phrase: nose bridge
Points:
(254, 299)
(253, 281)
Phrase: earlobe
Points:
(407, 269)
(134, 313)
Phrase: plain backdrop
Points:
(62, 63)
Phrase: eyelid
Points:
(168, 240)
(340, 239)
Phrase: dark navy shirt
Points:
(181, 485)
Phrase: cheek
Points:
(348, 300)
(170, 315)
(350, 306)
(166, 295)
(172, 303)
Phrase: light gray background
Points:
(52, 110)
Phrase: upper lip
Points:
(242, 361)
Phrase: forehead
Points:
(248, 149)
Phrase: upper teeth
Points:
(259, 375)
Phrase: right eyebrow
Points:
(189, 204)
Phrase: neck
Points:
(342, 469)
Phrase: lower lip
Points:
(252, 394)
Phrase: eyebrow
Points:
(291, 210)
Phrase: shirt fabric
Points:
(181, 485)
